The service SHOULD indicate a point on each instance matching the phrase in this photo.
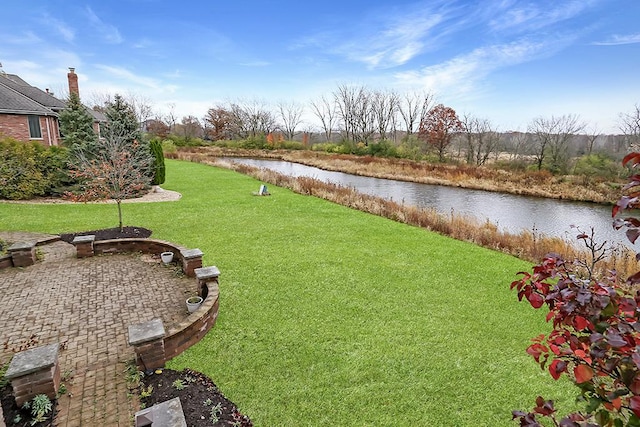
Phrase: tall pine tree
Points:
(121, 119)
(76, 124)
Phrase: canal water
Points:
(509, 212)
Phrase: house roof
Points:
(97, 115)
(19, 97)
(38, 95)
(13, 101)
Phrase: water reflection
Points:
(509, 212)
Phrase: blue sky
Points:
(505, 60)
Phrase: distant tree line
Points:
(356, 119)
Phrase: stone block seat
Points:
(34, 371)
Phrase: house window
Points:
(34, 127)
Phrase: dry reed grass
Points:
(527, 245)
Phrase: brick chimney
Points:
(73, 82)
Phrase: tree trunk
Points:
(120, 214)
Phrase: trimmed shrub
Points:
(27, 170)
(20, 176)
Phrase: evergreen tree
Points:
(158, 162)
(76, 124)
(122, 119)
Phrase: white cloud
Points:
(124, 74)
(461, 74)
(61, 58)
(533, 16)
(619, 40)
(390, 37)
(27, 37)
(66, 31)
(110, 33)
(400, 41)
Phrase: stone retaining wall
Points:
(195, 327)
(189, 258)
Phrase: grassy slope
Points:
(333, 316)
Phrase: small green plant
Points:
(62, 389)
(40, 406)
(146, 392)
(67, 375)
(132, 374)
(17, 419)
(178, 384)
(215, 413)
(208, 402)
(189, 379)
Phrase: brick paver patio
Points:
(86, 305)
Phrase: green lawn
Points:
(330, 316)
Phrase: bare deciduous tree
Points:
(413, 108)
(551, 138)
(325, 110)
(517, 143)
(141, 106)
(251, 119)
(481, 139)
(629, 124)
(291, 116)
(592, 136)
(171, 117)
(345, 98)
(355, 109)
(190, 128)
(385, 106)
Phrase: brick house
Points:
(31, 114)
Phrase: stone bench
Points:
(165, 414)
(204, 276)
(34, 371)
(23, 254)
(84, 245)
(191, 259)
(147, 339)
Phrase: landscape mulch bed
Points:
(12, 412)
(202, 402)
(110, 233)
